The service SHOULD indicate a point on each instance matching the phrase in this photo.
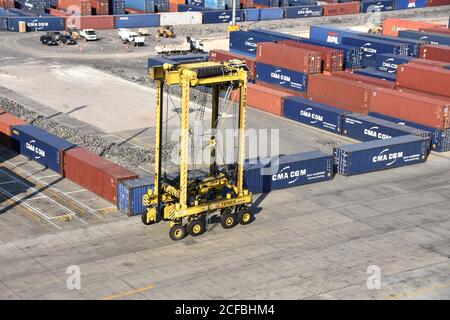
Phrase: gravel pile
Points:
(119, 154)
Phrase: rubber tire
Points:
(245, 216)
(177, 232)
(200, 223)
(225, 220)
(144, 219)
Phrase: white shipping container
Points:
(180, 18)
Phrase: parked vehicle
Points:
(189, 46)
(49, 39)
(89, 34)
(130, 37)
(67, 39)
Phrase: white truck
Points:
(189, 46)
(130, 37)
(89, 34)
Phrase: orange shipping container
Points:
(100, 7)
(435, 52)
(94, 173)
(427, 62)
(58, 13)
(424, 78)
(90, 22)
(7, 121)
(364, 79)
(338, 9)
(392, 26)
(284, 90)
(265, 99)
(412, 107)
(341, 93)
(81, 7)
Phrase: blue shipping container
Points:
(440, 139)
(130, 195)
(141, 5)
(117, 7)
(222, 16)
(303, 11)
(278, 76)
(371, 47)
(330, 34)
(432, 38)
(353, 55)
(380, 154)
(252, 14)
(4, 23)
(371, 72)
(198, 3)
(136, 20)
(37, 23)
(409, 4)
(271, 14)
(295, 3)
(288, 171)
(367, 128)
(245, 42)
(413, 45)
(387, 62)
(314, 114)
(275, 35)
(215, 4)
(41, 146)
(376, 6)
(185, 8)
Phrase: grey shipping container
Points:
(380, 154)
(130, 195)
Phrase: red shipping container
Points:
(7, 121)
(288, 57)
(223, 56)
(94, 173)
(427, 62)
(80, 7)
(284, 90)
(364, 79)
(90, 22)
(265, 99)
(424, 78)
(100, 7)
(392, 26)
(434, 3)
(412, 107)
(57, 12)
(342, 93)
(435, 52)
(134, 11)
(332, 59)
(173, 7)
(338, 9)
(423, 94)
(7, 4)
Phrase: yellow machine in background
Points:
(186, 203)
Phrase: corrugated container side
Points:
(389, 63)
(245, 42)
(282, 77)
(371, 47)
(271, 14)
(374, 73)
(427, 62)
(90, 22)
(440, 139)
(435, 52)
(7, 122)
(341, 93)
(434, 3)
(94, 173)
(37, 23)
(365, 79)
(424, 78)
(221, 16)
(137, 21)
(392, 26)
(182, 18)
(130, 195)
(303, 11)
(252, 14)
(40, 146)
(281, 89)
(329, 34)
(376, 5)
(314, 114)
(433, 38)
(436, 30)
(289, 57)
(289, 171)
(380, 154)
(368, 128)
(265, 99)
(413, 45)
(412, 107)
(332, 59)
(337, 9)
(409, 4)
